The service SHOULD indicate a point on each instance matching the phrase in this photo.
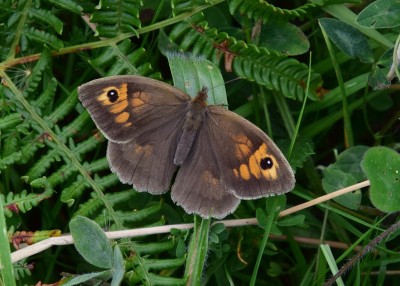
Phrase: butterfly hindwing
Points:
(198, 186)
(147, 162)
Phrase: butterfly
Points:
(157, 133)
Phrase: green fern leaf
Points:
(163, 280)
(43, 37)
(160, 264)
(94, 204)
(24, 202)
(10, 160)
(10, 121)
(37, 72)
(73, 191)
(69, 5)
(185, 6)
(43, 164)
(255, 63)
(44, 99)
(260, 9)
(285, 75)
(77, 124)
(142, 214)
(48, 18)
(115, 17)
(150, 248)
(22, 270)
(120, 60)
(63, 109)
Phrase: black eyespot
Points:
(112, 95)
(266, 163)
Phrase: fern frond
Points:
(115, 17)
(10, 160)
(252, 62)
(31, 237)
(43, 37)
(140, 215)
(121, 59)
(133, 273)
(135, 277)
(46, 96)
(47, 17)
(74, 190)
(10, 121)
(150, 248)
(22, 270)
(23, 202)
(285, 75)
(37, 72)
(69, 5)
(63, 109)
(160, 264)
(260, 9)
(94, 204)
(185, 6)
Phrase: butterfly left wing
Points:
(198, 186)
(231, 159)
(251, 165)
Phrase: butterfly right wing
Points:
(125, 107)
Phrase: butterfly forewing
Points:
(125, 107)
(250, 163)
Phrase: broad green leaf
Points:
(382, 167)
(118, 267)
(190, 74)
(380, 14)
(335, 179)
(348, 39)
(79, 280)
(345, 172)
(91, 242)
(294, 220)
(284, 37)
(349, 161)
(378, 78)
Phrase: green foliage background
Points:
(52, 159)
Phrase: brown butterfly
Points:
(155, 129)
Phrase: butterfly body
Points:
(193, 120)
(153, 128)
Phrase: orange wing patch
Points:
(116, 98)
(243, 147)
(259, 164)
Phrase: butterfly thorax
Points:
(194, 118)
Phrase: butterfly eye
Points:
(266, 163)
(112, 95)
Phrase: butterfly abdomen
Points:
(193, 120)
